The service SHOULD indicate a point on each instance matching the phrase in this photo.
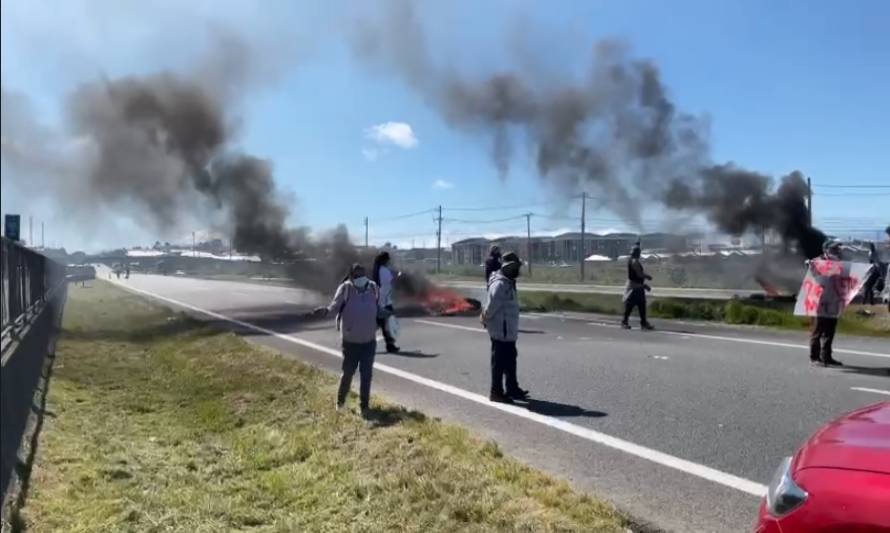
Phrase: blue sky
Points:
(786, 85)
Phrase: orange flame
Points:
(440, 301)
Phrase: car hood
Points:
(859, 440)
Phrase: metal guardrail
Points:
(28, 281)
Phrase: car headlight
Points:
(784, 495)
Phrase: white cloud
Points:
(442, 185)
(370, 154)
(397, 133)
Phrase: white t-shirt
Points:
(386, 277)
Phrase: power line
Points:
(860, 186)
(407, 215)
(479, 221)
(847, 194)
(495, 207)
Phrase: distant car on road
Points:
(838, 481)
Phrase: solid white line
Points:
(768, 343)
(876, 391)
(480, 329)
(655, 456)
(748, 341)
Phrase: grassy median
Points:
(158, 423)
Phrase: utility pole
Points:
(366, 232)
(439, 242)
(194, 245)
(31, 231)
(42, 236)
(528, 241)
(583, 221)
(809, 202)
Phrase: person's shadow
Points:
(548, 408)
(417, 354)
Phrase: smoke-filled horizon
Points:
(616, 132)
(162, 147)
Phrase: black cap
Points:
(511, 257)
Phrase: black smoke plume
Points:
(616, 131)
(161, 148)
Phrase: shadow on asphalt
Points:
(418, 354)
(548, 408)
(866, 370)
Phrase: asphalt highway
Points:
(585, 288)
(680, 427)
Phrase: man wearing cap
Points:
(492, 262)
(635, 289)
(823, 328)
(500, 316)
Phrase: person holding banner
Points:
(823, 326)
(829, 286)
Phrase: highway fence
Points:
(29, 280)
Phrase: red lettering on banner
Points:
(827, 267)
(812, 295)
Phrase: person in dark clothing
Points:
(635, 289)
(868, 290)
(383, 275)
(492, 263)
(823, 328)
(501, 317)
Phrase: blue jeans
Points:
(357, 356)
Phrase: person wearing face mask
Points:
(500, 317)
(492, 262)
(384, 277)
(823, 328)
(356, 305)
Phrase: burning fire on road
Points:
(419, 295)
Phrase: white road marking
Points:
(661, 357)
(530, 317)
(655, 456)
(748, 341)
(480, 329)
(876, 391)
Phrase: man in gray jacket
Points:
(356, 305)
(501, 317)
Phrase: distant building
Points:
(566, 247)
(470, 251)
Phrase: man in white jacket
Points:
(384, 277)
(501, 317)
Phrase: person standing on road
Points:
(356, 304)
(635, 289)
(492, 263)
(500, 316)
(823, 328)
(384, 277)
(868, 290)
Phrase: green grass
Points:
(158, 423)
(766, 313)
(711, 273)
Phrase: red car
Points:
(838, 481)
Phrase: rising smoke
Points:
(162, 147)
(616, 132)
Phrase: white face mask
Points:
(361, 282)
